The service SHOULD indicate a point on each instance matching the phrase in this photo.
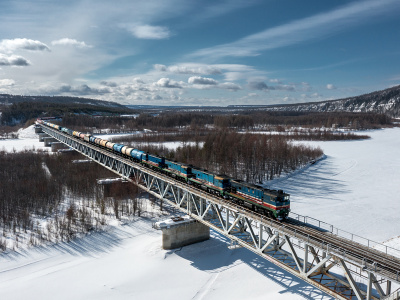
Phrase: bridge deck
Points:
(260, 234)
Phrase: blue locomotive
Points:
(272, 203)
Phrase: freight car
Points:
(273, 203)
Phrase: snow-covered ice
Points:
(356, 187)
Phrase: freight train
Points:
(272, 203)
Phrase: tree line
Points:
(41, 185)
(254, 158)
(23, 112)
(246, 120)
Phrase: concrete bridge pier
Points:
(182, 231)
(42, 135)
(48, 141)
(57, 146)
(38, 129)
(115, 187)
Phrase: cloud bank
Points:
(13, 60)
(69, 42)
(9, 46)
(148, 32)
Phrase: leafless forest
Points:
(64, 195)
(247, 120)
(47, 197)
(254, 158)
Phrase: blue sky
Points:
(179, 52)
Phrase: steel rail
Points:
(389, 265)
(318, 237)
(341, 248)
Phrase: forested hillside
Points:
(10, 99)
(21, 112)
(384, 102)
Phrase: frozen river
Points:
(356, 188)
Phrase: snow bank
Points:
(27, 133)
(27, 140)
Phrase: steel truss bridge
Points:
(338, 266)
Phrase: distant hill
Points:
(10, 99)
(385, 102)
(20, 109)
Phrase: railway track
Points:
(387, 265)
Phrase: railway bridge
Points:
(340, 264)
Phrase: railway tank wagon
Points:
(273, 203)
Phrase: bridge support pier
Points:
(116, 187)
(48, 141)
(304, 254)
(57, 146)
(42, 136)
(38, 129)
(178, 232)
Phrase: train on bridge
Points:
(272, 203)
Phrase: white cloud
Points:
(262, 86)
(330, 86)
(190, 68)
(275, 80)
(13, 60)
(70, 42)
(9, 46)
(7, 82)
(202, 80)
(217, 8)
(295, 32)
(167, 83)
(137, 80)
(161, 68)
(109, 83)
(148, 32)
(289, 99)
(207, 83)
(83, 89)
(230, 86)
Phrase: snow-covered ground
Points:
(356, 188)
(128, 263)
(27, 140)
(174, 145)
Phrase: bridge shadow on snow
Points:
(214, 256)
(89, 245)
(316, 181)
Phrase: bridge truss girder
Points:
(317, 264)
